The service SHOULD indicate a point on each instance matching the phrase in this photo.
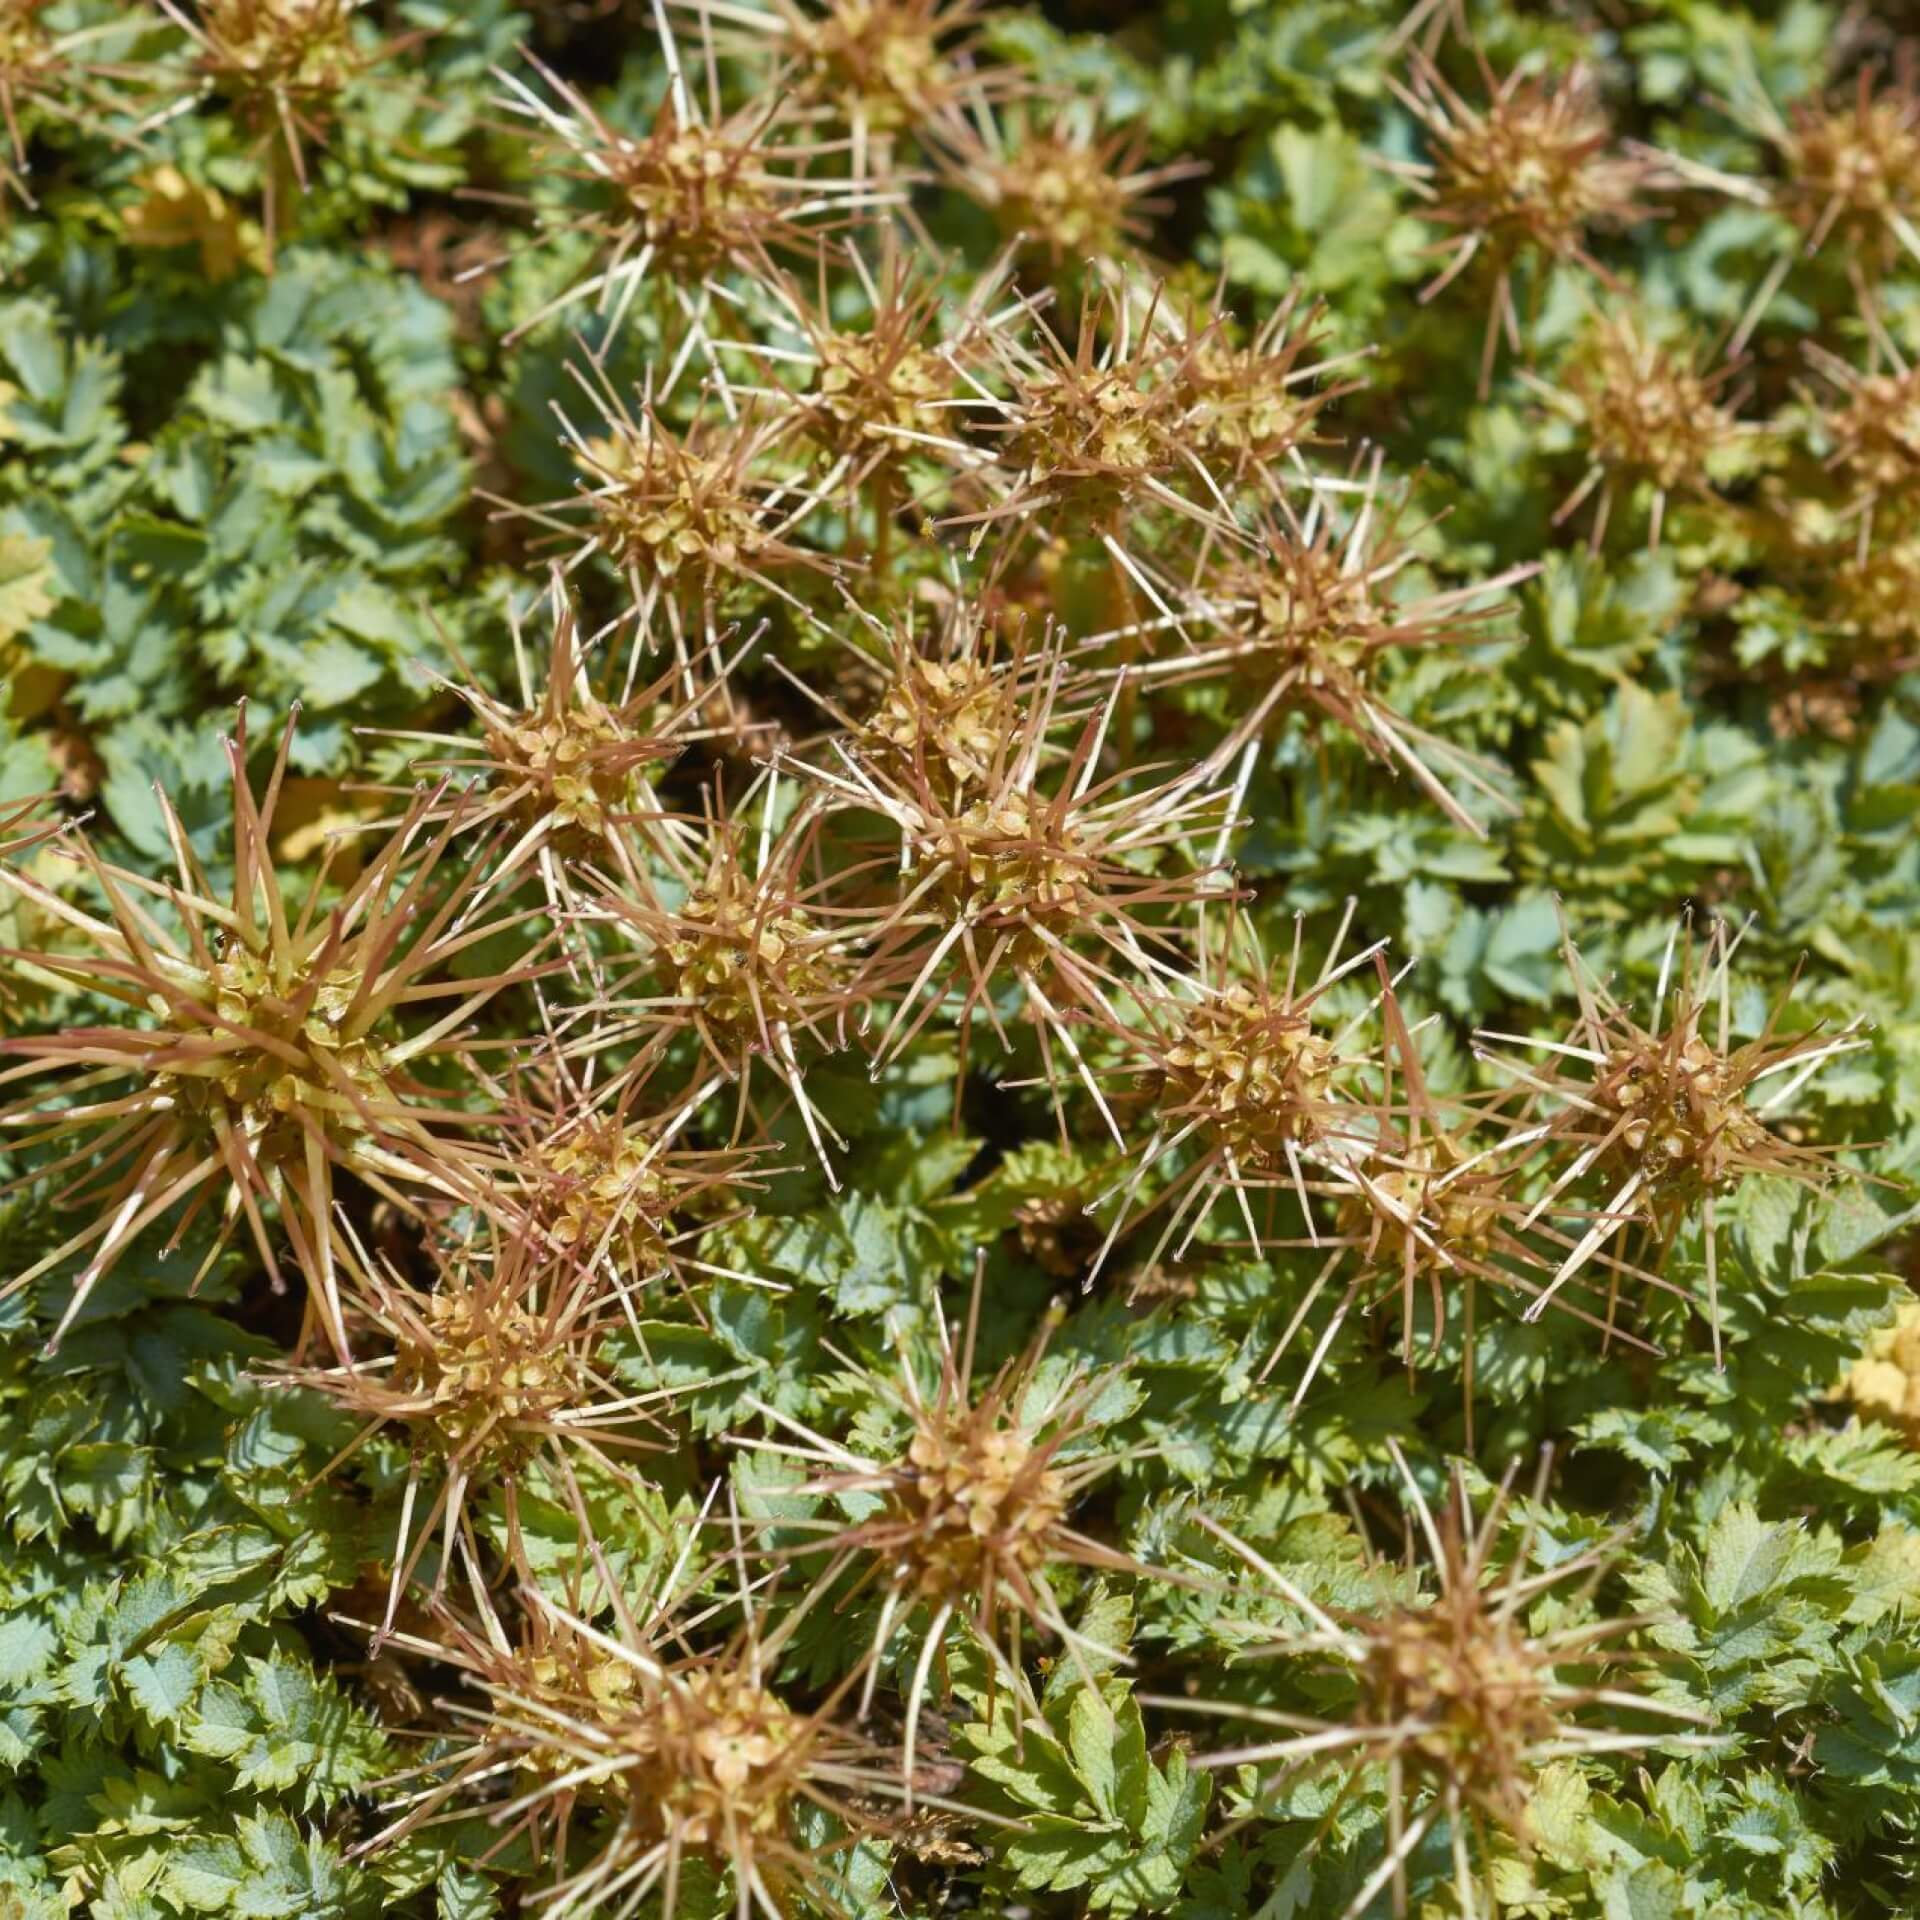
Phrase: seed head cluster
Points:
(897, 678)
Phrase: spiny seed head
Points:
(490, 1376)
(698, 194)
(1853, 170)
(871, 387)
(722, 1751)
(666, 505)
(1014, 879)
(1249, 1063)
(1874, 429)
(1062, 191)
(1249, 401)
(751, 969)
(299, 1045)
(1424, 1203)
(1014, 858)
(701, 1757)
(561, 1663)
(1307, 618)
(273, 1047)
(943, 714)
(1671, 1112)
(1681, 1112)
(1469, 1680)
(1309, 612)
(741, 958)
(975, 1489)
(970, 1510)
(672, 506)
(488, 1373)
(603, 1181)
(732, 1766)
(1415, 1214)
(1241, 403)
(566, 769)
(1228, 1063)
(265, 51)
(745, 958)
(1647, 412)
(1534, 168)
(578, 765)
(1462, 1698)
(1469, 1694)
(564, 1677)
(680, 1746)
(687, 514)
(1667, 1115)
(1091, 434)
(477, 1365)
(955, 708)
(1873, 605)
(1878, 434)
(27, 46)
(881, 61)
(881, 381)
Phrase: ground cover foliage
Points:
(959, 959)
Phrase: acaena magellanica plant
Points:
(1003, 913)
(1488, 1665)
(277, 1040)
